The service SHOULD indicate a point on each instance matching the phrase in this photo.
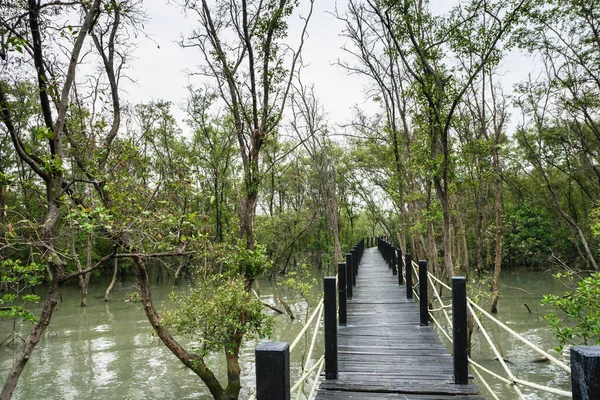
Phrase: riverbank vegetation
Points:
(450, 167)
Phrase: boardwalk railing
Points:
(585, 360)
(273, 358)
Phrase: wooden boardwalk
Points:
(383, 352)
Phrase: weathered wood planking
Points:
(383, 351)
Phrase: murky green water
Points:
(517, 289)
(107, 350)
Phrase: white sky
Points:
(160, 65)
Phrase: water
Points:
(107, 350)
(517, 289)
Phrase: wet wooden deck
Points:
(383, 351)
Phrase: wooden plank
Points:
(336, 395)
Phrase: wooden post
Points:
(331, 361)
(342, 282)
(459, 330)
(354, 266)
(399, 258)
(423, 299)
(409, 276)
(394, 261)
(585, 372)
(349, 276)
(272, 371)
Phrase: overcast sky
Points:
(160, 64)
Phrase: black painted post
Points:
(585, 372)
(394, 261)
(399, 258)
(349, 275)
(409, 276)
(459, 330)
(354, 266)
(342, 309)
(331, 361)
(272, 371)
(423, 299)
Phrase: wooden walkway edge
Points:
(383, 351)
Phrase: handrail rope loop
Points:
(306, 325)
(310, 350)
(513, 381)
(306, 374)
(496, 352)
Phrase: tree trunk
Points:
(84, 279)
(190, 360)
(113, 281)
(31, 341)
(498, 212)
(246, 212)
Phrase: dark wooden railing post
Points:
(585, 372)
(272, 371)
(399, 258)
(388, 259)
(354, 266)
(423, 299)
(349, 276)
(409, 276)
(342, 309)
(394, 261)
(331, 360)
(459, 330)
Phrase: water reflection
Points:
(107, 350)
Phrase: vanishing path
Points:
(383, 351)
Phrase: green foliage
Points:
(582, 308)
(241, 260)
(18, 277)
(529, 236)
(300, 281)
(213, 312)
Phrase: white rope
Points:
(435, 321)
(487, 386)
(312, 346)
(295, 342)
(512, 381)
(442, 308)
(439, 298)
(306, 374)
(521, 381)
(440, 282)
(496, 352)
(490, 372)
(527, 342)
(316, 382)
(314, 338)
(544, 388)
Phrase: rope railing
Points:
(273, 358)
(510, 379)
(297, 388)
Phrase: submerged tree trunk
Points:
(113, 280)
(31, 341)
(498, 212)
(190, 360)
